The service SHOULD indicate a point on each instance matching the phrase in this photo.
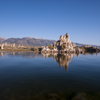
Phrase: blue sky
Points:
(50, 19)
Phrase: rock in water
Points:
(64, 43)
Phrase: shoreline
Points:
(45, 52)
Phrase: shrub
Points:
(50, 47)
(64, 46)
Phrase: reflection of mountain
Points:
(62, 59)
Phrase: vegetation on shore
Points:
(50, 47)
(26, 48)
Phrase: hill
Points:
(80, 44)
(30, 41)
(2, 39)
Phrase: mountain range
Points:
(32, 41)
(27, 41)
(2, 39)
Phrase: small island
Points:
(64, 45)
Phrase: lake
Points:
(31, 76)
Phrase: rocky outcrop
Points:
(74, 45)
(92, 49)
(78, 50)
(2, 46)
(7, 46)
(64, 43)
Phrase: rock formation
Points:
(5, 44)
(13, 45)
(2, 46)
(64, 43)
(74, 45)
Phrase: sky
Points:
(51, 18)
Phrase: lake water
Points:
(31, 76)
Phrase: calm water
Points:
(26, 74)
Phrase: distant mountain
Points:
(28, 41)
(2, 39)
(80, 44)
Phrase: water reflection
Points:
(65, 59)
(2, 54)
(94, 53)
(34, 55)
(21, 54)
(62, 59)
(31, 77)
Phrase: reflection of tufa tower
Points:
(2, 54)
(64, 60)
(13, 53)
